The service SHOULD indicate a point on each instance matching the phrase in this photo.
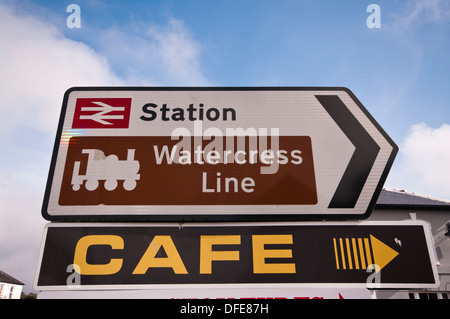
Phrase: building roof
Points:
(4, 277)
(400, 199)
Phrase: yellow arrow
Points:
(382, 254)
(350, 253)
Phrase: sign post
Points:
(215, 154)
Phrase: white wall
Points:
(6, 289)
(437, 220)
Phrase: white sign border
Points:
(368, 196)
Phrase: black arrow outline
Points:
(363, 158)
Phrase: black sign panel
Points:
(394, 255)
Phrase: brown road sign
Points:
(177, 154)
(152, 180)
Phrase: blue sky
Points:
(400, 72)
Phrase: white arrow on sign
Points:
(102, 114)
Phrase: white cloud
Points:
(21, 226)
(178, 52)
(419, 12)
(434, 11)
(37, 65)
(156, 55)
(423, 165)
